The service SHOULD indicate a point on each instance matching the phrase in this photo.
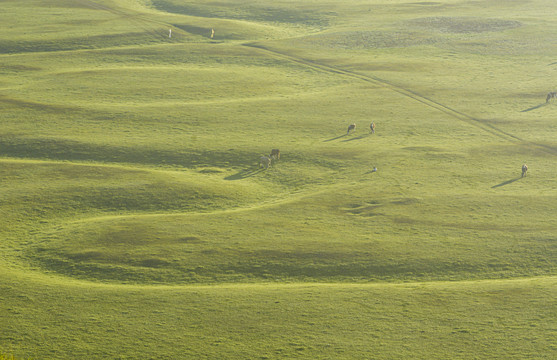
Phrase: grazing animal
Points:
(372, 127)
(351, 127)
(212, 33)
(551, 95)
(275, 154)
(264, 162)
(524, 169)
(170, 33)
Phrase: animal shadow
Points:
(336, 138)
(356, 138)
(506, 182)
(534, 107)
(243, 174)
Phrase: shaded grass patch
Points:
(458, 25)
(277, 12)
(366, 40)
(72, 150)
(79, 43)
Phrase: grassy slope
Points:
(485, 319)
(131, 158)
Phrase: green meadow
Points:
(136, 222)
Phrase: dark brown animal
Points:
(275, 154)
(351, 127)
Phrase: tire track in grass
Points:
(477, 122)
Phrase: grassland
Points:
(135, 222)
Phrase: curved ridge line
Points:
(38, 276)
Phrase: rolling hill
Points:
(136, 223)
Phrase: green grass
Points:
(135, 222)
(7, 357)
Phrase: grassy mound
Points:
(317, 321)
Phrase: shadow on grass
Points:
(336, 138)
(535, 107)
(71, 150)
(243, 174)
(357, 137)
(506, 182)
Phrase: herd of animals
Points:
(352, 127)
(266, 160)
(550, 96)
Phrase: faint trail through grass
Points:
(410, 94)
(137, 18)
